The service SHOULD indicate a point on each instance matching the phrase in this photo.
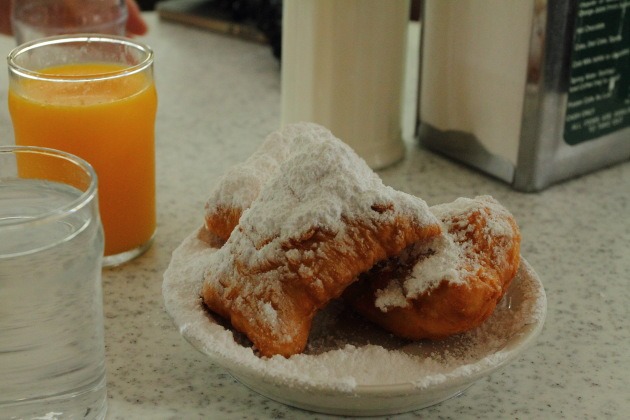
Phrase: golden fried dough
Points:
(449, 284)
(320, 219)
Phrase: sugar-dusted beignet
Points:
(449, 284)
(319, 221)
(241, 184)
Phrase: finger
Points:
(135, 23)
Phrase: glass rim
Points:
(88, 38)
(73, 206)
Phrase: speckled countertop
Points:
(219, 97)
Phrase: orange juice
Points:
(109, 122)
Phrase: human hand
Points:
(5, 17)
(135, 23)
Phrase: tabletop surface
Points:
(218, 98)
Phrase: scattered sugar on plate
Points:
(345, 354)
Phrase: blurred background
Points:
(259, 19)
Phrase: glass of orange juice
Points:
(94, 96)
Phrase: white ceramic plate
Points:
(351, 367)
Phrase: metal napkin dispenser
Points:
(532, 92)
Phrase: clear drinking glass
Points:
(94, 96)
(52, 352)
(33, 19)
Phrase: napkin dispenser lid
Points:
(531, 92)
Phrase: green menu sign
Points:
(599, 88)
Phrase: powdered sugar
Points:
(496, 224)
(449, 257)
(392, 295)
(241, 183)
(320, 185)
(345, 353)
(321, 179)
(324, 183)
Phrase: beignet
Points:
(448, 284)
(320, 219)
